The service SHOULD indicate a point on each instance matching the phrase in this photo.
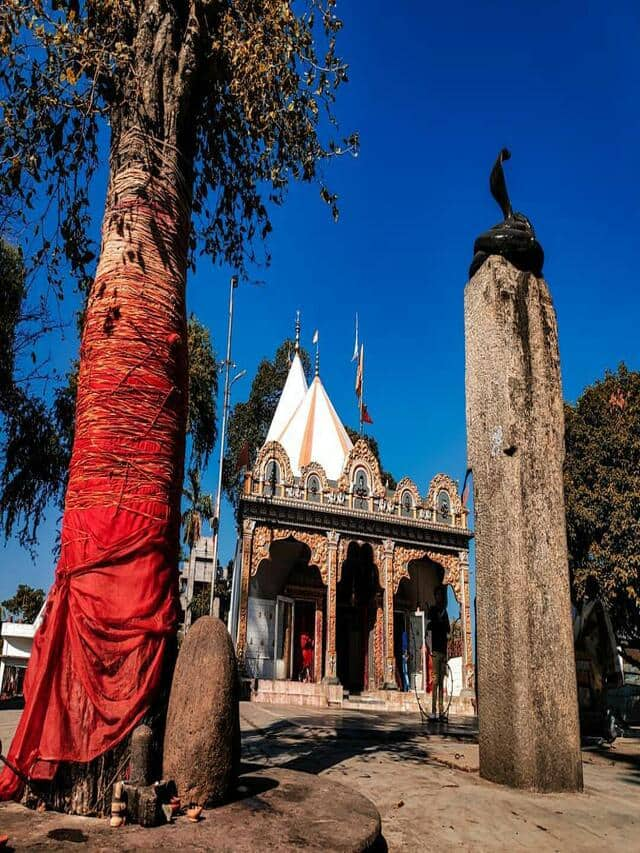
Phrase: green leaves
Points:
(25, 604)
(602, 493)
(203, 393)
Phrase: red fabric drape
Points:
(97, 659)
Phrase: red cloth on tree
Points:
(97, 658)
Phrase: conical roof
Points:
(315, 433)
(293, 394)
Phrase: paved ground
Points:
(427, 788)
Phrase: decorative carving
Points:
(333, 537)
(407, 485)
(362, 455)
(405, 554)
(273, 450)
(442, 482)
(264, 537)
(318, 470)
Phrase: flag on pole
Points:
(465, 488)
(359, 372)
(316, 337)
(366, 417)
(354, 357)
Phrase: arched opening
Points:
(416, 593)
(358, 608)
(406, 504)
(272, 479)
(285, 615)
(443, 507)
(314, 490)
(361, 489)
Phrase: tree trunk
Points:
(120, 537)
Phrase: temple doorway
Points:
(285, 616)
(415, 595)
(358, 598)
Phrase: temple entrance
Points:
(415, 595)
(358, 597)
(285, 616)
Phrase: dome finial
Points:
(297, 331)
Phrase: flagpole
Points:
(362, 392)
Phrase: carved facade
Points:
(379, 554)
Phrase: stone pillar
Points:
(529, 732)
(248, 527)
(465, 622)
(389, 656)
(318, 651)
(330, 669)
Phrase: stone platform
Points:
(322, 695)
(276, 810)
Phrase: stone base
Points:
(325, 694)
(279, 810)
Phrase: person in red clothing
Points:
(306, 645)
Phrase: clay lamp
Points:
(193, 812)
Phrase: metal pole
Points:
(225, 406)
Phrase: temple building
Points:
(335, 571)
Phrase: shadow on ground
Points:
(313, 747)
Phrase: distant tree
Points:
(249, 422)
(203, 393)
(602, 492)
(387, 477)
(25, 604)
(199, 508)
(200, 602)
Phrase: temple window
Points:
(443, 508)
(313, 489)
(361, 489)
(272, 479)
(406, 504)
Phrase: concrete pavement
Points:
(426, 786)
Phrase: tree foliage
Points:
(203, 392)
(25, 604)
(200, 602)
(243, 91)
(199, 507)
(249, 422)
(602, 492)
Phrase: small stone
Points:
(141, 743)
(202, 736)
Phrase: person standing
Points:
(439, 626)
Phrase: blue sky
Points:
(435, 91)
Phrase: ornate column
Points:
(388, 546)
(248, 528)
(465, 622)
(330, 670)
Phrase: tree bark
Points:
(132, 397)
